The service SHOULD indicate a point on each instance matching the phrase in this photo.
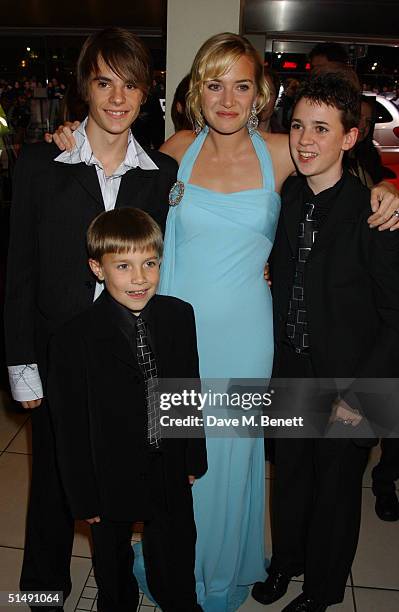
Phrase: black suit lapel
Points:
(128, 189)
(113, 339)
(292, 212)
(133, 183)
(118, 346)
(161, 338)
(87, 177)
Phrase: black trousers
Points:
(50, 531)
(169, 564)
(316, 505)
(113, 567)
(387, 471)
(50, 526)
(316, 512)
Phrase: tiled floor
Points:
(374, 584)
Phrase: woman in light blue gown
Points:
(216, 248)
(220, 230)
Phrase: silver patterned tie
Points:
(147, 363)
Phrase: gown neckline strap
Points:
(261, 150)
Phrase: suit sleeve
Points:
(383, 361)
(68, 402)
(196, 459)
(383, 249)
(19, 306)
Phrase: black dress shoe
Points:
(274, 587)
(304, 604)
(387, 507)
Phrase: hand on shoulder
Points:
(385, 206)
(177, 145)
(63, 137)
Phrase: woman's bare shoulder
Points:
(275, 141)
(278, 145)
(177, 145)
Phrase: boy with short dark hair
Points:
(336, 315)
(114, 466)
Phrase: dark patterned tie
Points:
(147, 363)
(297, 325)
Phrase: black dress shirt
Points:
(315, 209)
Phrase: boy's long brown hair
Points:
(122, 51)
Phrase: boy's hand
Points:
(385, 205)
(95, 519)
(343, 413)
(266, 274)
(191, 479)
(63, 137)
(31, 404)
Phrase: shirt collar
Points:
(125, 316)
(326, 196)
(82, 153)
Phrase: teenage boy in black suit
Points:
(55, 198)
(336, 314)
(114, 466)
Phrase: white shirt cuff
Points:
(25, 382)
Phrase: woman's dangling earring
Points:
(197, 124)
(253, 120)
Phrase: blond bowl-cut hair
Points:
(123, 230)
(216, 56)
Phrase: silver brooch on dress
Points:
(176, 193)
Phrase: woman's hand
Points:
(385, 206)
(63, 137)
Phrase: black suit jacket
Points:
(351, 286)
(48, 279)
(97, 402)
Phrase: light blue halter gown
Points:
(216, 246)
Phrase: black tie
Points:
(297, 326)
(147, 363)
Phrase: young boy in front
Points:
(114, 466)
(336, 314)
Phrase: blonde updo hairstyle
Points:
(216, 56)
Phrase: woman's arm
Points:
(178, 144)
(279, 149)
